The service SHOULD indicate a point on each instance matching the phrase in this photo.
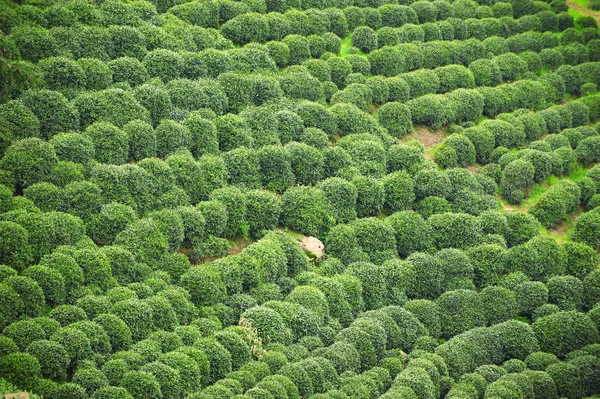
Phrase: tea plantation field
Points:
(163, 165)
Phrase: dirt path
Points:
(425, 136)
(583, 10)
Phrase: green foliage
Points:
(552, 330)
(461, 310)
(245, 28)
(586, 229)
(311, 217)
(395, 117)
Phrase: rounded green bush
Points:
(50, 281)
(499, 304)
(90, 379)
(246, 28)
(398, 191)
(587, 229)
(20, 368)
(461, 310)
(268, 323)
(141, 384)
(465, 150)
(29, 160)
(530, 295)
(312, 217)
(552, 332)
(587, 150)
(364, 38)
(567, 378)
(566, 292)
(69, 391)
(111, 393)
(55, 113)
(591, 287)
(395, 117)
(456, 230)
(128, 70)
(13, 250)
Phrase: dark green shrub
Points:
(246, 28)
(376, 238)
(55, 113)
(82, 199)
(499, 304)
(395, 117)
(269, 324)
(364, 38)
(463, 147)
(163, 63)
(129, 70)
(452, 77)
(552, 330)
(299, 49)
(386, 61)
(341, 197)
(312, 217)
(14, 250)
(144, 239)
(418, 380)
(428, 278)
(114, 106)
(69, 390)
(566, 292)
(75, 342)
(586, 229)
(567, 378)
(142, 140)
(411, 231)
(29, 160)
(456, 230)
(111, 143)
(301, 86)
(579, 112)
(110, 221)
(431, 110)
(50, 281)
(90, 379)
(17, 122)
(137, 315)
(60, 73)
(306, 162)
(279, 52)
(112, 393)
(262, 211)
(141, 384)
(531, 295)
(275, 167)
(30, 293)
(428, 313)
(370, 196)
(461, 310)
(319, 69)
(587, 149)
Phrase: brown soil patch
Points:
(473, 168)
(428, 138)
(560, 229)
(583, 10)
(239, 245)
(508, 207)
(563, 226)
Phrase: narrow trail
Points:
(583, 10)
